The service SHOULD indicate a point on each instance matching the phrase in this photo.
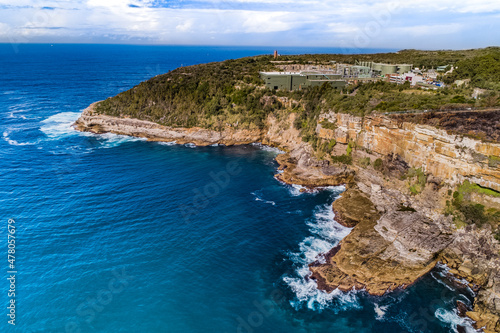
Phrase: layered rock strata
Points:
(446, 156)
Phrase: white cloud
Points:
(258, 22)
(307, 20)
(432, 30)
(184, 27)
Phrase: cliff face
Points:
(400, 246)
(449, 157)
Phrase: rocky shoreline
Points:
(396, 237)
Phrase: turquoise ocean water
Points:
(116, 234)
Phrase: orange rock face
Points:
(450, 157)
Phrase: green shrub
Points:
(467, 187)
(458, 99)
(328, 125)
(378, 164)
(493, 161)
(331, 144)
(474, 214)
(344, 159)
(421, 179)
(415, 189)
(364, 162)
(350, 146)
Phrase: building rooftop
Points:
(324, 72)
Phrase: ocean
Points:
(117, 234)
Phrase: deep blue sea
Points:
(117, 234)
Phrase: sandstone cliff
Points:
(450, 157)
(412, 233)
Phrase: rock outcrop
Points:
(354, 207)
(91, 122)
(446, 156)
(381, 254)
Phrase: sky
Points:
(420, 24)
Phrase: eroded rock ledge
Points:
(380, 254)
(89, 121)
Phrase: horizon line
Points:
(243, 46)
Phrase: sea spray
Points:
(326, 234)
(60, 126)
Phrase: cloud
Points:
(385, 23)
(432, 30)
(185, 26)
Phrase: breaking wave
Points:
(165, 143)
(12, 142)
(296, 190)
(60, 126)
(326, 234)
(274, 150)
(380, 311)
(258, 197)
(452, 319)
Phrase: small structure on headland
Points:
(299, 80)
(384, 69)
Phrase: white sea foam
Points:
(170, 143)
(190, 145)
(296, 190)
(258, 197)
(380, 311)
(110, 140)
(453, 319)
(274, 150)
(59, 125)
(307, 294)
(13, 142)
(326, 234)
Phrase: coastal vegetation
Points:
(419, 58)
(416, 180)
(231, 93)
(465, 211)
